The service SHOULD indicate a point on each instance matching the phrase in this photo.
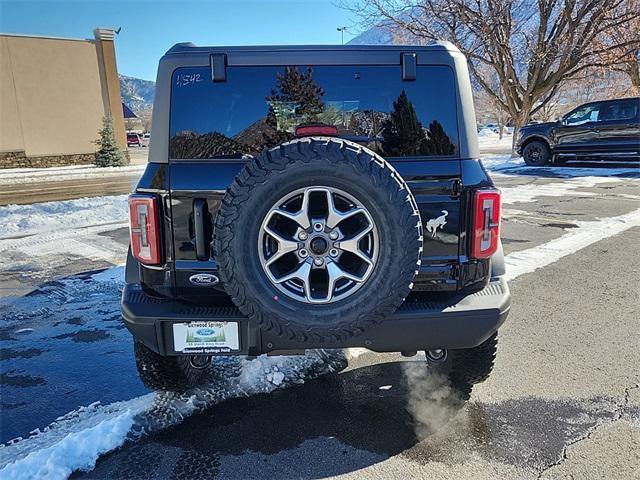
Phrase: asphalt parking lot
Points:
(563, 400)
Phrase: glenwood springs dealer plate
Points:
(205, 337)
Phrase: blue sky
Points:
(149, 28)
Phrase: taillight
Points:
(144, 228)
(486, 223)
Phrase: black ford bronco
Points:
(314, 197)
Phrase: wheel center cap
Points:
(319, 245)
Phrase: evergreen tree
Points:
(108, 154)
(403, 133)
(437, 141)
(300, 88)
(296, 91)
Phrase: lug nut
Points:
(303, 253)
(333, 252)
(318, 261)
(303, 235)
(333, 235)
(318, 227)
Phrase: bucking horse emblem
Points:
(435, 223)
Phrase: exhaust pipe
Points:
(438, 355)
(200, 361)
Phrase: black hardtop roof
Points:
(190, 48)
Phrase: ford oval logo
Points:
(203, 279)
(205, 332)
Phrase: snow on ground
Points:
(572, 178)
(528, 193)
(497, 163)
(22, 220)
(76, 440)
(508, 165)
(41, 240)
(13, 176)
(489, 141)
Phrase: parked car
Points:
(264, 227)
(134, 139)
(606, 130)
(145, 139)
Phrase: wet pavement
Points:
(62, 346)
(563, 400)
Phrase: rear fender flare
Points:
(132, 269)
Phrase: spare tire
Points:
(318, 239)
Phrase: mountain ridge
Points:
(137, 94)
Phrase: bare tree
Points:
(625, 59)
(531, 46)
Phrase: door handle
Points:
(200, 212)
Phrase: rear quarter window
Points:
(260, 107)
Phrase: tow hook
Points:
(438, 355)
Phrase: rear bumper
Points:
(463, 321)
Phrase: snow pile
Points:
(507, 165)
(489, 141)
(113, 274)
(487, 133)
(496, 163)
(13, 176)
(587, 233)
(76, 441)
(22, 220)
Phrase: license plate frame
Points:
(206, 337)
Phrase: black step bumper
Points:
(463, 321)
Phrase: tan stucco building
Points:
(54, 93)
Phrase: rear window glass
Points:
(260, 107)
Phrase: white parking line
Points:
(587, 233)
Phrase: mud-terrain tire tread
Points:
(469, 366)
(158, 372)
(337, 154)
